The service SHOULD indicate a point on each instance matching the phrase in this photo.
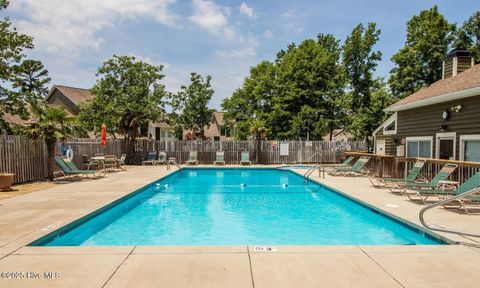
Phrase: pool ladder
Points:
(309, 173)
(439, 229)
(173, 162)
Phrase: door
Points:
(380, 147)
(445, 147)
(157, 133)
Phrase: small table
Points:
(100, 159)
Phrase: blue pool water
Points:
(210, 207)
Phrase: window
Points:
(390, 125)
(470, 148)
(162, 134)
(419, 147)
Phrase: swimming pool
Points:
(241, 206)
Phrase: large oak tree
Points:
(128, 94)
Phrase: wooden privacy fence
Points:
(24, 157)
(27, 159)
(392, 166)
(261, 152)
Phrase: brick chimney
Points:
(456, 61)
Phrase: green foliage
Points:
(299, 92)
(258, 129)
(22, 81)
(51, 123)
(128, 95)
(3, 4)
(308, 123)
(367, 97)
(190, 110)
(468, 36)
(419, 62)
(368, 118)
(360, 62)
(251, 101)
(309, 75)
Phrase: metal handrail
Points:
(431, 227)
(174, 162)
(309, 172)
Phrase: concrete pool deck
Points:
(27, 217)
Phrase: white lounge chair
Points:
(192, 158)
(245, 158)
(219, 158)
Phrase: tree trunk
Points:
(331, 131)
(132, 137)
(50, 157)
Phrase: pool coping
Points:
(399, 220)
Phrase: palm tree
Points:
(50, 123)
(259, 132)
(258, 129)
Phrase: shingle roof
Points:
(219, 116)
(161, 125)
(466, 80)
(14, 119)
(76, 95)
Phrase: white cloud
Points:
(268, 34)
(289, 13)
(66, 28)
(299, 30)
(238, 53)
(212, 18)
(247, 10)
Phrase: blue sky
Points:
(220, 38)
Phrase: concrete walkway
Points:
(25, 218)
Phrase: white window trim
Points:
(448, 135)
(464, 138)
(388, 122)
(420, 138)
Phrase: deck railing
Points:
(392, 166)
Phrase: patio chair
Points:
(412, 176)
(192, 158)
(357, 169)
(467, 204)
(151, 158)
(162, 157)
(245, 160)
(219, 158)
(421, 194)
(442, 175)
(110, 162)
(120, 162)
(68, 168)
(345, 162)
